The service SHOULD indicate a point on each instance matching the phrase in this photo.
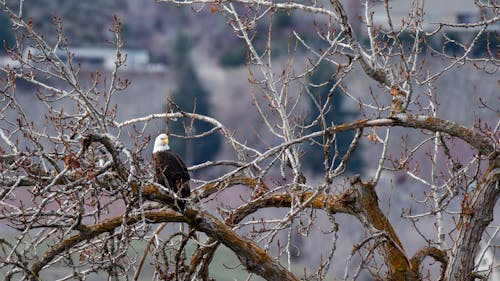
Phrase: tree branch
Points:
(482, 143)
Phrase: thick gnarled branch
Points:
(482, 143)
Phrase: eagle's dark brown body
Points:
(171, 172)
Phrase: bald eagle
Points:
(170, 171)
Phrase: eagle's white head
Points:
(161, 143)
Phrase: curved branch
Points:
(210, 188)
(367, 210)
(107, 141)
(482, 143)
(420, 255)
(90, 232)
(254, 258)
(283, 6)
(368, 64)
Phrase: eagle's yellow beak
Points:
(164, 140)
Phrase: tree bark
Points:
(475, 217)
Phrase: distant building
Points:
(448, 11)
(101, 57)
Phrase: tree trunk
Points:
(476, 216)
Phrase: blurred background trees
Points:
(328, 97)
(190, 96)
(6, 35)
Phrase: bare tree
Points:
(76, 161)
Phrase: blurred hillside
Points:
(217, 61)
(146, 25)
(218, 66)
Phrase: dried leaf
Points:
(372, 137)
